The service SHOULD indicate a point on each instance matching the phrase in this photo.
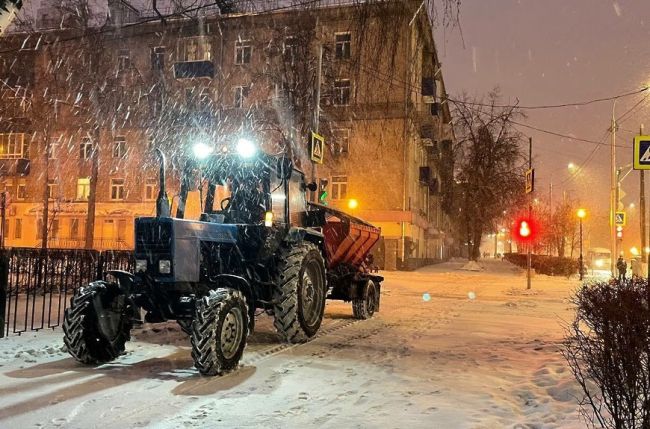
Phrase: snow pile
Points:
(28, 349)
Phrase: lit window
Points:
(83, 188)
(341, 140)
(150, 190)
(158, 58)
(123, 60)
(241, 92)
(342, 91)
(339, 187)
(117, 189)
(85, 148)
(119, 147)
(343, 49)
(194, 49)
(243, 52)
(13, 146)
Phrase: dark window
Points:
(243, 52)
(18, 231)
(85, 148)
(123, 59)
(119, 147)
(343, 48)
(158, 58)
(341, 139)
(342, 91)
(339, 187)
(117, 189)
(21, 191)
(241, 92)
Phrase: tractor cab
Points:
(254, 190)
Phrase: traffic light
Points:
(619, 232)
(322, 191)
(524, 230)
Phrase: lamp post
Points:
(581, 215)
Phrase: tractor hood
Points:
(177, 240)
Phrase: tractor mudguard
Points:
(298, 234)
(125, 279)
(241, 284)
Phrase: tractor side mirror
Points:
(311, 186)
(284, 168)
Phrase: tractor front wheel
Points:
(299, 296)
(97, 324)
(219, 331)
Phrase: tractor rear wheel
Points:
(97, 324)
(219, 331)
(365, 306)
(186, 325)
(299, 297)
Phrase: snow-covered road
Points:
(437, 360)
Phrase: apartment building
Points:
(83, 110)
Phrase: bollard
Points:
(4, 280)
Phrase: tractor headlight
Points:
(246, 148)
(164, 266)
(140, 265)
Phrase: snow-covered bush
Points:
(543, 264)
(608, 351)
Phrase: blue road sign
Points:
(642, 153)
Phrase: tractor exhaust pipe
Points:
(162, 202)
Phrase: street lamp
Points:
(582, 213)
(353, 204)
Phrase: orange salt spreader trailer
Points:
(348, 242)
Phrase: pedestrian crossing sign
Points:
(620, 218)
(317, 148)
(642, 153)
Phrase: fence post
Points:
(100, 265)
(4, 280)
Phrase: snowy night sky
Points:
(553, 52)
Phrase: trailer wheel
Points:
(219, 331)
(365, 306)
(299, 297)
(97, 324)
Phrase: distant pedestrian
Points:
(621, 266)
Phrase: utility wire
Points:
(555, 106)
(599, 143)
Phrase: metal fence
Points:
(38, 283)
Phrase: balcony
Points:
(193, 69)
(14, 167)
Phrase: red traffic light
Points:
(524, 230)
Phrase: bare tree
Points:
(491, 166)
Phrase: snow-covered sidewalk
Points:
(449, 349)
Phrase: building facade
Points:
(84, 108)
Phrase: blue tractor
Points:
(260, 249)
